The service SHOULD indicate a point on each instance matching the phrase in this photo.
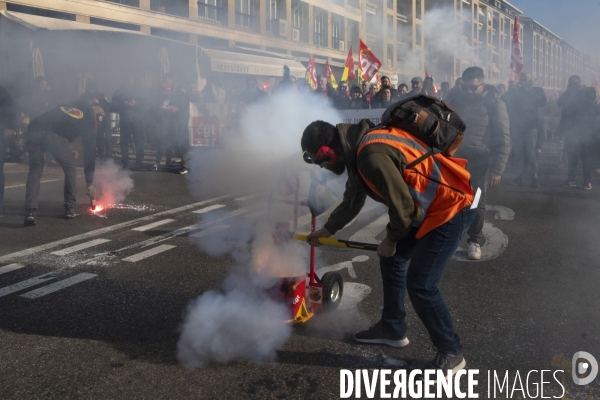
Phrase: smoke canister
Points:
(292, 292)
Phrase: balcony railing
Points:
(212, 14)
(246, 21)
(180, 10)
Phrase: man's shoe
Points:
(569, 184)
(70, 213)
(376, 334)
(535, 183)
(474, 252)
(183, 171)
(587, 186)
(448, 361)
(30, 218)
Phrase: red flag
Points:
(516, 57)
(349, 74)
(311, 73)
(368, 63)
(328, 73)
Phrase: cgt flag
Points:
(349, 75)
(327, 73)
(368, 63)
(516, 57)
(311, 73)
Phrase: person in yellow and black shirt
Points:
(430, 207)
(53, 132)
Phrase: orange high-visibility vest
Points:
(440, 186)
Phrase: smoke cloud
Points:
(113, 184)
(241, 322)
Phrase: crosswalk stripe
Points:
(79, 247)
(148, 253)
(5, 291)
(56, 286)
(209, 208)
(368, 233)
(10, 268)
(210, 231)
(247, 197)
(145, 228)
(98, 232)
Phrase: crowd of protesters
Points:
(506, 123)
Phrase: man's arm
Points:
(383, 172)
(352, 202)
(500, 140)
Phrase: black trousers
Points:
(131, 132)
(479, 179)
(577, 151)
(39, 143)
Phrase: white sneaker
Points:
(474, 251)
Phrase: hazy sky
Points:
(576, 21)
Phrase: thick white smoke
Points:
(112, 184)
(242, 322)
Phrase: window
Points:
(403, 32)
(354, 3)
(418, 35)
(390, 55)
(213, 11)
(390, 4)
(320, 27)
(337, 31)
(275, 12)
(401, 53)
(180, 8)
(390, 27)
(300, 19)
(39, 11)
(132, 3)
(114, 24)
(353, 33)
(246, 12)
(418, 4)
(402, 7)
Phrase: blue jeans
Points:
(526, 154)
(428, 257)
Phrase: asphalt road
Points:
(102, 320)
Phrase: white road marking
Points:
(369, 232)
(98, 232)
(46, 181)
(343, 265)
(5, 291)
(210, 231)
(149, 253)
(153, 225)
(10, 268)
(209, 208)
(79, 247)
(56, 286)
(503, 213)
(247, 197)
(353, 294)
(495, 244)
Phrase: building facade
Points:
(542, 54)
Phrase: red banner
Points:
(328, 73)
(349, 74)
(311, 73)
(368, 63)
(516, 57)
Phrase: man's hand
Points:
(494, 179)
(386, 248)
(313, 238)
(8, 133)
(91, 191)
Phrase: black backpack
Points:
(428, 119)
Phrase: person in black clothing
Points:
(357, 100)
(342, 100)
(523, 105)
(8, 122)
(191, 95)
(126, 102)
(40, 100)
(166, 107)
(578, 114)
(96, 98)
(252, 93)
(53, 132)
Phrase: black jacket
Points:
(8, 111)
(70, 121)
(523, 106)
(487, 138)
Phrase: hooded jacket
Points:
(487, 138)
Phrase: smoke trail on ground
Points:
(242, 322)
(112, 184)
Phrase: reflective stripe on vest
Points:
(426, 180)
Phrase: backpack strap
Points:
(430, 153)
